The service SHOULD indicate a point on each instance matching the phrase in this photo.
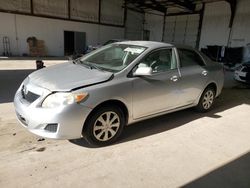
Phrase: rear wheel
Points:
(104, 126)
(206, 100)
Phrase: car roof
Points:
(118, 40)
(148, 44)
(183, 46)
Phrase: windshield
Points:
(114, 57)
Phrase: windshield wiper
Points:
(87, 64)
(95, 66)
(75, 61)
(78, 61)
(91, 65)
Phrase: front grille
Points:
(51, 127)
(28, 95)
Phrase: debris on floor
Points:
(40, 139)
(41, 149)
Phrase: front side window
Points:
(189, 58)
(160, 60)
(114, 57)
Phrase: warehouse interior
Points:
(187, 22)
(181, 149)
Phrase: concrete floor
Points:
(182, 149)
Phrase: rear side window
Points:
(189, 58)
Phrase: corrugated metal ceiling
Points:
(172, 6)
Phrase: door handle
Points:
(204, 73)
(174, 78)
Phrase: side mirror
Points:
(143, 71)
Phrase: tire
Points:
(101, 130)
(206, 100)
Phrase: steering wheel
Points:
(154, 64)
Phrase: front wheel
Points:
(206, 100)
(104, 126)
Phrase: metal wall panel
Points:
(112, 12)
(84, 10)
(182, 29)
(57, 8)
(17, 5)
(215, 26)
(154, 23)
(134, 25)
(192, 30)
(241, 27)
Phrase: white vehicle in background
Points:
(242, 73)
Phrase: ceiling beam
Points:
(135, 9)
(185, 4)
(182, 13)
(159, 6)
(154, 5)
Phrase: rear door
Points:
(194, 75)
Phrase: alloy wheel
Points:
(106, 126)
(208, 99)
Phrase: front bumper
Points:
(69, 120)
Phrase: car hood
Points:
(67, 76)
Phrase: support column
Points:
(200, 25)
(233, 5)
(69, 10)
(125, 19)
(164, 25)
(31, 7)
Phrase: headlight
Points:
(62, 99)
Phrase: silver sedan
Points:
(98, 94)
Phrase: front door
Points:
(158, 92)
